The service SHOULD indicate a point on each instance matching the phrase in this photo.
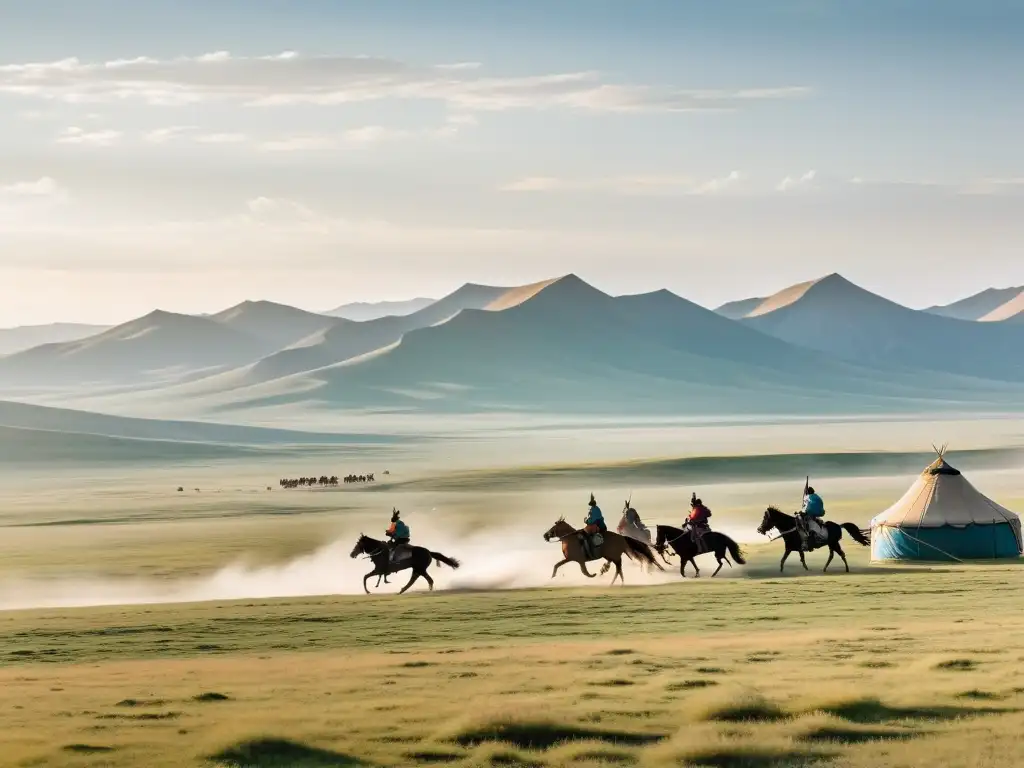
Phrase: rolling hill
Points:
(278, 325)
(979, 305)
(46, 419)
(1010, 312)
(27, 336)
(159, 346)
(361, 311)
(834, 316)
(737, 310)
(569, 347)
(346, 339)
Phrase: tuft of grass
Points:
(839, 734)
(87, 749)
(871, 711)
(690, 685)
(416, 664)
(432, 756)
(543, 734)
(620, 652)
(281, 753)
(743, 708)
(209, 696)
(615, 682)
(957, 665)
(753, 757)
(141, 703)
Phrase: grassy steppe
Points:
(894, 668)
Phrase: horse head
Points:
(558, 530)
(771, 519)
(363, 546)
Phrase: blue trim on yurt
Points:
(971, 542)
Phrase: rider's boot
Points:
(585, 543)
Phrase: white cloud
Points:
(713, 186)
(222, 138)
(21, 202)
(289, 78)
(306, 143)
(796, 182)
(41, 187)
(628, 185)
(164, 135)
(76, 135)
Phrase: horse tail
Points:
(734, 550)
(857, 534)
(638, 550)
(451, 562)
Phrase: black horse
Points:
(684, 545)
(790, 535)
(418, 559)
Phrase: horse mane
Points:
(774, 509)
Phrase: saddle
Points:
(813, 532)
(592, 545)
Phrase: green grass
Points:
(500, 678)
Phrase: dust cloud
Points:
(494, 558)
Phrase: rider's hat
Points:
(593, 501)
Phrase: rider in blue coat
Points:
(398, 533)
(592, 523)
(813, 509)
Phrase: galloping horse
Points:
(417, 558)
(786, 526)
(612, 550)
(684, 545)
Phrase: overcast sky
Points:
(189, 154)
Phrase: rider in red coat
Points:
(698, 519)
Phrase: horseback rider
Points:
(398, 534)
(631, 519)
(593, 524)
(813, 510)
(697, 522)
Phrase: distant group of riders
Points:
(802, 532)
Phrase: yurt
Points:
(945, 518)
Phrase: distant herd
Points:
(324, 480)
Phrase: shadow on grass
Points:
(281, 753)
(754, 758)
(87, 749)
(690, 685)
(540, 735)
(874, 712)
(211, 696)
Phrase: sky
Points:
(187, 155)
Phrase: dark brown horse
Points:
(417, 558)
(685, 546)
(612, 550)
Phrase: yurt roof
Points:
(942, 496)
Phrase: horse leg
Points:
(430, 581)
(831, 554)
(784, 556)
(720, 564)
(583, 567)
(604, 568)
(803, 561)
(618, 572)
(366, 578)
(557, 566)
(697, 576)
(415, 575)
(682, 567)
(842, 554)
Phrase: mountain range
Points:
(556, 346)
